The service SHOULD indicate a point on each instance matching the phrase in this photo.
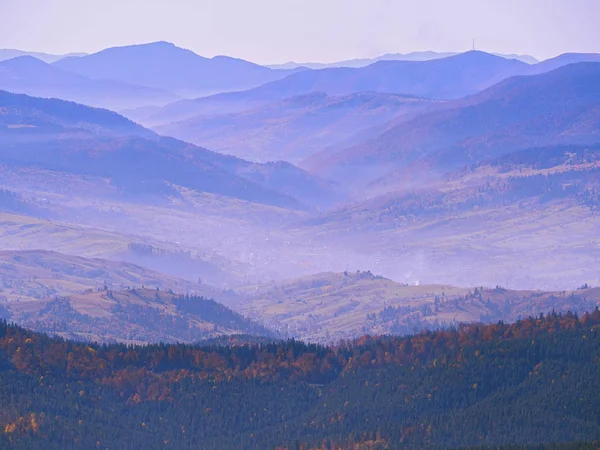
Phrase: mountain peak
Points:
(478, 55)
(25, 61)
(164, 65)
(149, 47)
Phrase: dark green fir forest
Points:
(531, 384)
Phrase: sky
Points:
(277, 31)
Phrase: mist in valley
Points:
(339, 225)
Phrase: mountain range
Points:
(557, 107)
(162, 65)
(29, 75)
(445, 78)
(10, 53)
(292, 119)
(121, 78)
(412, 56)
(439, 189)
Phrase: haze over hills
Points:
(28, 275)
(317, 124)
(28, 75)
(81, 220)
(67, 137)
(412, 56)
(558, 107)
(563, 60)
(92, 183)
(444, 78)
(162, 65)
(389, 253)
(414, 246)
(294, 128)
(9, 53)
(451, 77)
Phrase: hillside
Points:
(184, 258)
(531, 383)
(135, 315)
(101, 300)
(28, 275)
(294, 128)
(91, 298)
(162, 65)
(332, 306)
(559, 107)
(60, 136)
(28, 75)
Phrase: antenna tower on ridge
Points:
(473, 44)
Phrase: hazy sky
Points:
(274, 31)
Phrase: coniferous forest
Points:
(531, 384)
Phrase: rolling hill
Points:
(101, 300)
(162, 65)
(60, 136)
(28, 75)
(116, 231)
(294, 128)
(131, 316)
(558, 107)
(40, 274)
(328, 307)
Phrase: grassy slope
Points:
(131, 316)
(331, 306)
(38, 274)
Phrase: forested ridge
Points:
(528, 384)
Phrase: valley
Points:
(424, 188)
(206, 244)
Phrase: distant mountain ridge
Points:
(162, 65)
(10, 53)
(412, 56)
(445, 78)
(419, 78)
(28, 75)
(557, 107)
